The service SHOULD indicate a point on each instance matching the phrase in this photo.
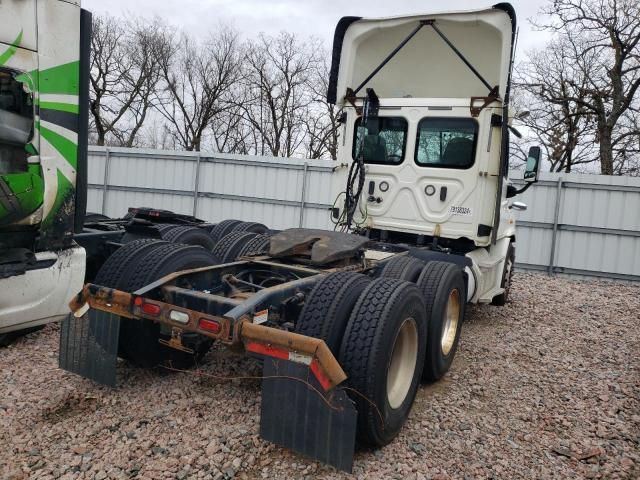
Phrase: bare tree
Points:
(232, 133)
(562, 127)
(277, 71)
(601, 45)
(124, 76)
(196, 83)
(322, 118)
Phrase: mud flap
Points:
(298, 414)
(89, 346)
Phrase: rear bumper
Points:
(256, 339)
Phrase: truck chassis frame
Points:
(321, 419)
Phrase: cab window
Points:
(16, 122)
(382, 140)
(446, 142)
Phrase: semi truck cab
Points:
(44, 55)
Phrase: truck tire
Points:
(229, 246)
(402, 268)
(258, 245)
(113, 270)
(165, 228)
(328, 306)
(222, 228)
(162, 228)
(139, 339)
(507, 277)
(254, 227)
(92, 217)
(443, 288)
(382, 353)
(189, 236)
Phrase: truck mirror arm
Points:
(513, 191)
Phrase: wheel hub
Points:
(403, 362)
(452, 316)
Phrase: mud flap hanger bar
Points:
(256, 338)
(432, 23)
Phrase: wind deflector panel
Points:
(338, 38)
(89, 346)
(426, 67)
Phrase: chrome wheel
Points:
(403, 363)
(452, 316)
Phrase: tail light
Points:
(209, 325)
(150, 309)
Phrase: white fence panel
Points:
(585, 225)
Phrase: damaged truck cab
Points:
(43, 136)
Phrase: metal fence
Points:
(578, 225)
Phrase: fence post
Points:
(196, 185)
(304, 192)
(105, 185)
(554, 234)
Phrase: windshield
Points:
(16, 122)
(383, 140)
(446, 142)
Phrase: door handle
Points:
(443, 194)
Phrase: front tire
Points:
(507, 277)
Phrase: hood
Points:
(426, 66)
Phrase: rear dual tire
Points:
(402, 267)
(391, 333)
(328, 307)
(382, 353)
(378, 331)
(229, 247)
(443, 289)
(135, 265)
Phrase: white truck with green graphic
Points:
(43, 135)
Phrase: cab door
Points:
(439, 183)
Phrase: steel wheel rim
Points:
(452, 316)
(403, 362)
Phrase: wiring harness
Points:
(355, 178)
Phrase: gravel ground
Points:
(548, 386)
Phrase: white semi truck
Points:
(348, 322)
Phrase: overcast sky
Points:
(303, 17)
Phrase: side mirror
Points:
(533, 165)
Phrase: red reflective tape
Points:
(320, 375)
(263, 349)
